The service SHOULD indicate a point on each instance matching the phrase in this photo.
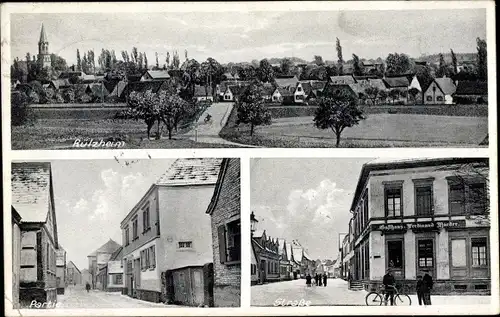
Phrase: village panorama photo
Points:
(270, 79)
(149, 233)
(371, 232)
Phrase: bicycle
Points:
(376, 298)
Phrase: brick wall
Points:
(227, 277)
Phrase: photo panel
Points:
(145, 233)
(370, 232)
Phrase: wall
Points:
(16, 261)
(227, 277)
(183, 218)
(103, 258)
(150, 278)
(28, 257)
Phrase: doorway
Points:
(263, 271)
(395, 257)
(426, 256)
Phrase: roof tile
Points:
(191, 171)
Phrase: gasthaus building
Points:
(423, 215)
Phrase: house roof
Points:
(218, 185)
(472, 88)
(61, 83)
(394, 82)
(201, 91)
(119, 88)
(307, 87)
(288, 251)
(281, 244)
(284, 91)
(318, 84)
(342, 80)
(191, 171)
(158, 74)
(31, 190)
(237, 90)
(378, 83)
(446, 85)
(258, 233)
(74, 265)
(285, 81)
(110, 85)
(109, 247)
(143, 86)
(117, 254)
(71, 74)
(267, 89)
(297, 254)
(98, 89)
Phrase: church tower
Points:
(43, 50)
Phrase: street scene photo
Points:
(125, 233)
(273, 79)
(370, 231)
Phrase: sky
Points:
(244, 36)
(92, 197)
(305, 199)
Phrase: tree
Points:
(167, 60)
(145, 60)
(175, 61)
(212, 71)
(424, 77)
(286, 66)
(58, 63)
(318, 60)
(191, 76)
(482, 59)
(454, 62)
(372, 93)
(78, 60)
(397, 64)
(157, 62)
(337, 112)
(382, 95)
(340, 58)
(135, 56)
(247, 73)
(357, 67)
(251, 108)
(265, 71)
(394, 94)
(21, 113)
(442, 66)
(413, 92)
(162, 107)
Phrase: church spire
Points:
(43, 36)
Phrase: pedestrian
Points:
(420, 290)
(389, 283)
(308, 280)
(317, 279)
(428, 282)
(320, 278)
(87, 287)
(325, 278)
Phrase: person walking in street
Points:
(428, 282)
(320, 279)
(420, 290)
(349, 279)
(87, 287)
(389, 283)
(308, 280)
(316, 279)
(325, 278)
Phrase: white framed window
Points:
(185, 244)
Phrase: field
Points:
(61, 134)
(378, 130)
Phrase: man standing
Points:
(389, 283)
(325, 277)
(420, 290)
(428, 282)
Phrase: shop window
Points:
(457, 199)
(479, 255)
(395, 254)
(423, 200)
(393, 202)
(425, 253)
(458, 253)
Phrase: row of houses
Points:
(420, 215)
(181, 242)
(276, 259)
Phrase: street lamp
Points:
(253, 222)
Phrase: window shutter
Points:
(221, 230)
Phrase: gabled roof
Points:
(285, 81)
(143, 86)
(117, 255)
(58, 83)
(378, 83)
(98, 89)
(31, 190)
(342, 80)
(258, 233)
(307, 87)
(74, 265)
(110, 85)
(191, 171)
(201, 91)
(119, 88)
(267, 89)
(318, 84)
(158, 74)
(446, 85)
(395, 82)
(237, 90)
(109, 247)
(472, 88)
(297, 254)
(284, 91)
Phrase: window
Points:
(299, 89)
(229, 242)
(49, 264)
(395, 254)
(439, 98)
(143, 260)
(477, 198)
(456, 199)
(479, 255)
(393, 202)
(423, 200)
(185, 245)
(429, 98)
(367, 260)
(425, 253)
(152, 263)
(134, 229)
(145, 220)
(117, 279)
(127, 236)
(458, 253)
(365, 207)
